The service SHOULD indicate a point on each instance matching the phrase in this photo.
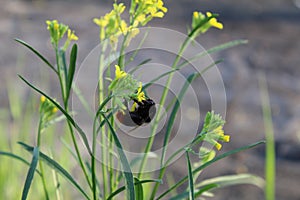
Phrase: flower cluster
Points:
(138, 96)
(143, 11)
(112, 25)
(57, 32)
(123, 87)
(47, 111)
(201, 23)
(213, 130)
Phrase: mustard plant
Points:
(122, 94)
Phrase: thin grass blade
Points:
(139, 193)
(14, 156)
(214, 50)
(75, 125)
(190, 175)
(224, 155)
(57, 167)
(36, 53)
(129, 183)
(121, 189)
(174, 113)
(229, 180)
(270, 162)
(72, 67)
(30, 174)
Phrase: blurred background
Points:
(272, 28)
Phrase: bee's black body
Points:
(142, 113)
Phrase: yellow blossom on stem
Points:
(213, 21)
(218, 146)
(71, 35)
(140, 94)
(213, 130)
(56, 30)
(119, 73)
(43, 98)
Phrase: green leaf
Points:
(30, 173)
(17, 158)
(229, 180)
(72, 67)
(139, 65)
(70, 119)
(139, 193)
(197, 193)
(213, 50)
(119, 190)
(36, 53)
(190, 175)
(222, 181)
(229, 153)
(124, 162)
(174, 113)
(57, 167)
(270, 161)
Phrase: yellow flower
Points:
(213, 21)
(43, 99)
(119, 73)
(71, 35)
(226, 138)
(158, 14)
(54, 110)
(196, 14)
(218, 146)
(140, 94)
(102, 22)
(213, 130)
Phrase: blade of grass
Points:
(139, 65)
(213, 50)
(30, 173)
(190, 176)
(11, 155)
(70, 119)
(36, 53)
(57, 167)
(113, 194)
(139, 193)
(172, 120)
(184, 195)
(270, 162)
(72, 66)
(129, 183)
(229, 180)
(229, 153)
(174, 113)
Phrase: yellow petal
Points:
(218, 146)
(226, 138)
(43, 99)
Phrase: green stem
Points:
(162, 171)
(65, 101)
(162, 102)
(103, 131)
(93, 158)
(270, 161)
(224, 155)
(40, 163)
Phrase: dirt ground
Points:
(272, 28)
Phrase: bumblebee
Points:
(140, 113)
